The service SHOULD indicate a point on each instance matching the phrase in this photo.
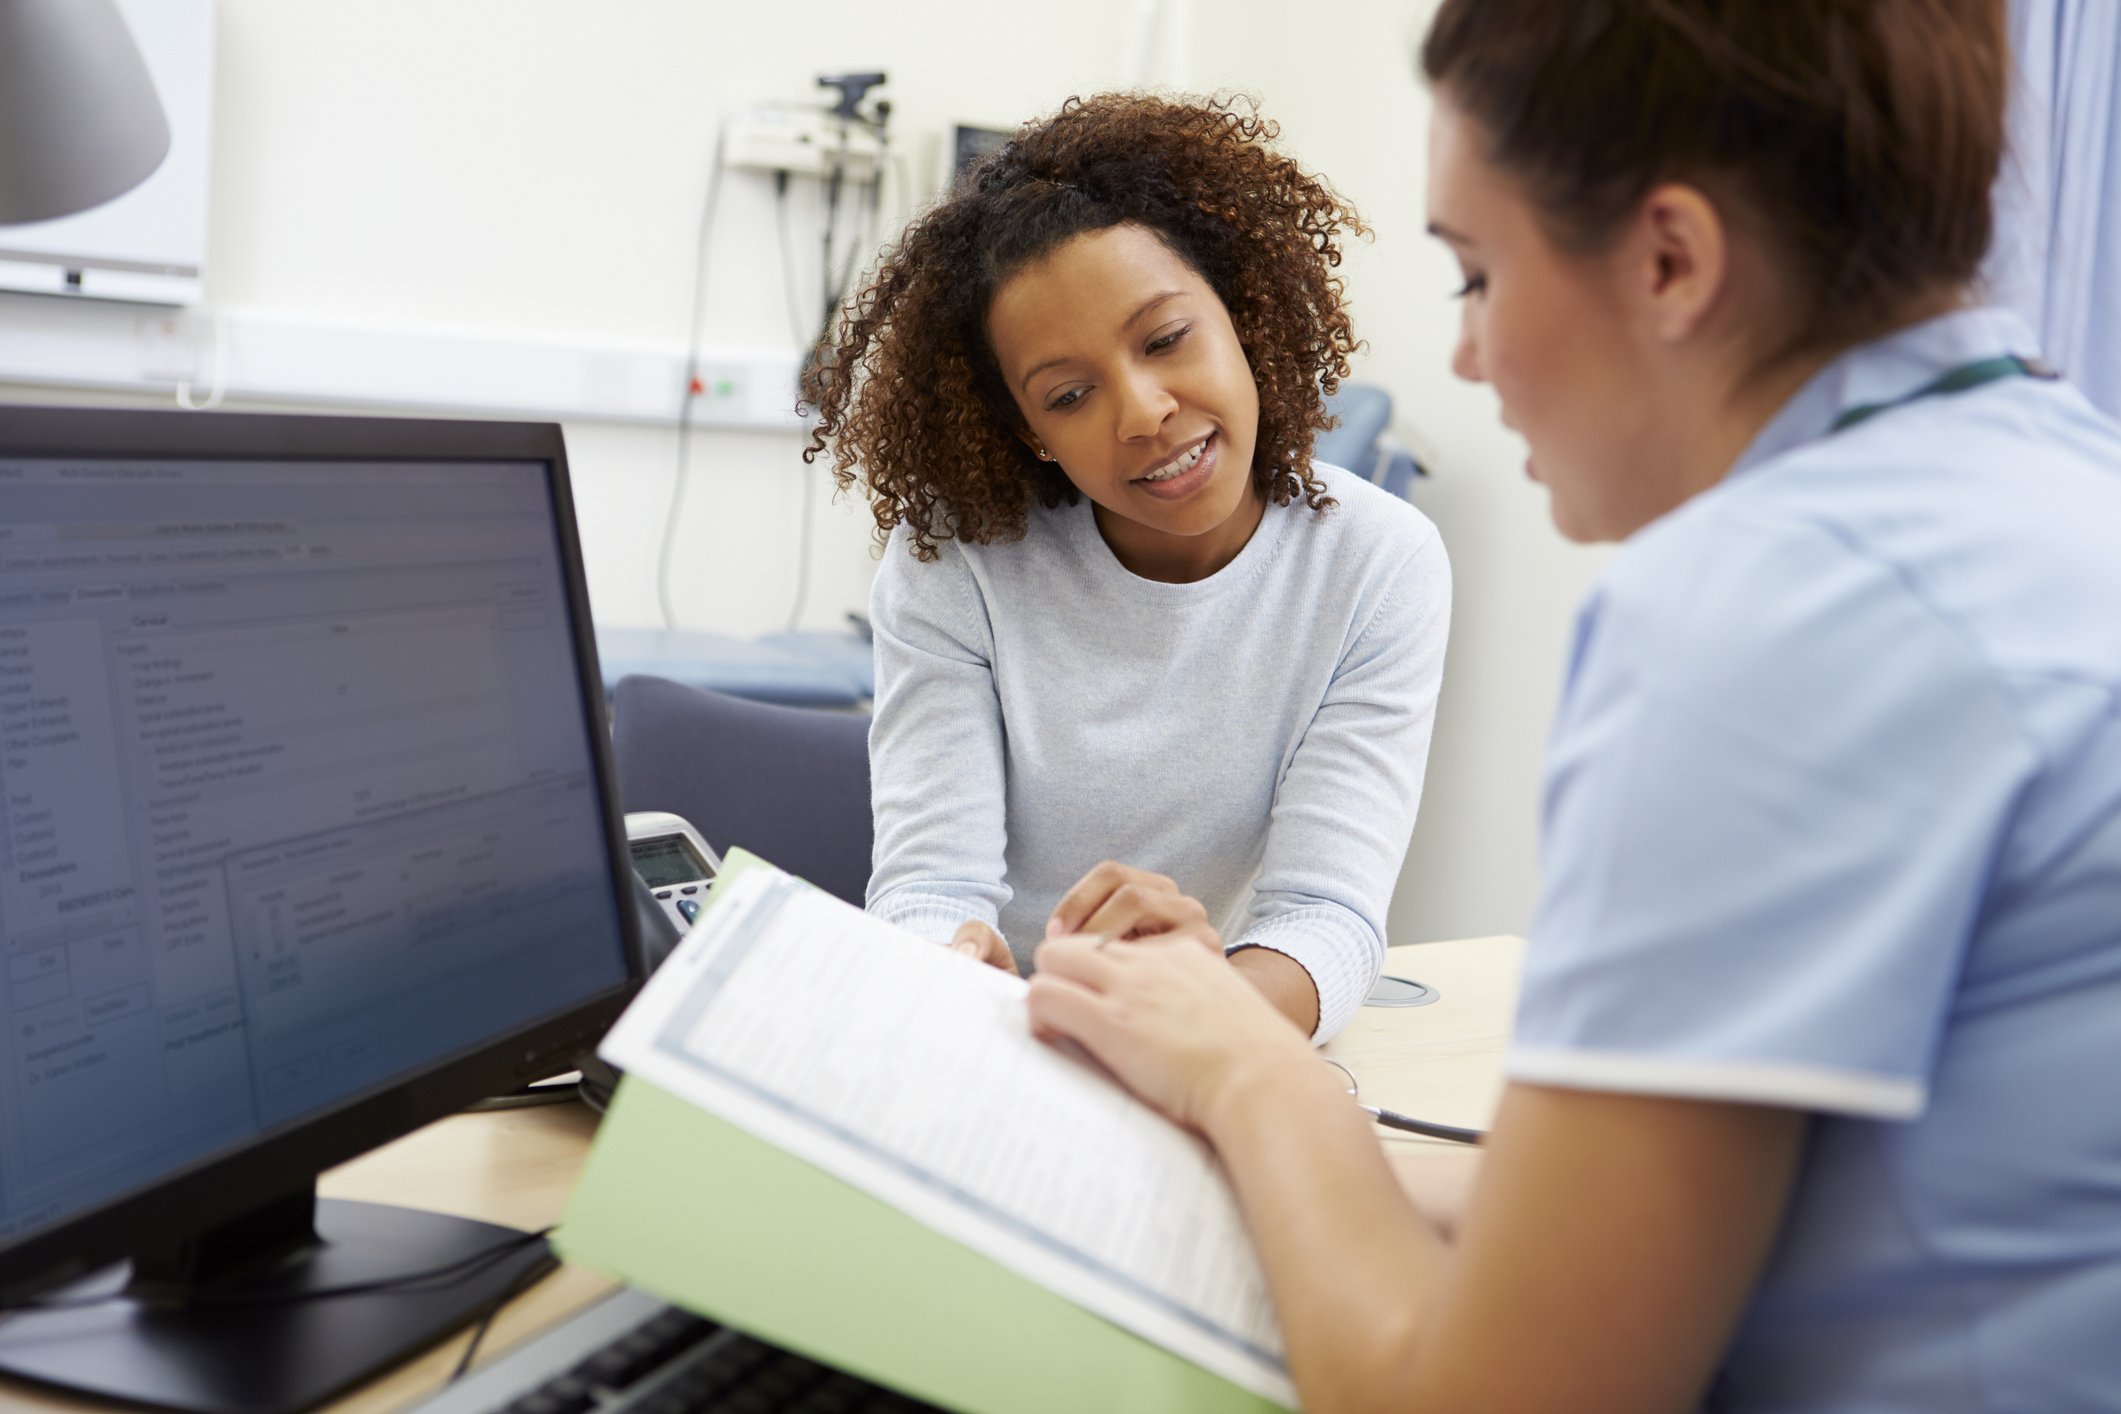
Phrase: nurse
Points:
(1813, 1099)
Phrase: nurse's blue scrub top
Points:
(1833, 821)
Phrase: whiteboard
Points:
(150, 243)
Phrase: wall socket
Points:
(758, 392)
(169, 351)
(725, 392)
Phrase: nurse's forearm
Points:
(1283, 981)
(1354, 1268)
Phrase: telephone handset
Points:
(676, 864)
(672, 870)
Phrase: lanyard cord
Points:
(1952, 380)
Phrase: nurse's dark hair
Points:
(1860, 138)
(909, 390)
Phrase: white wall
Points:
(540, 165)
(536, 167)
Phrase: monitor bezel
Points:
(219, 1187)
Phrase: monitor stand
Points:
(186, 1332)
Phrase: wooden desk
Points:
(1443, 1061)
(1440, 1062)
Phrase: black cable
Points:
(1390, 1120)
(861, 238)
(868, 230)
(810, 347)
(832, 220)
(838, 276)
(691, 390)
(524, 1280)
(445, 1274)
(876, 201)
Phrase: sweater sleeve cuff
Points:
(934, 917)
(1343, 959)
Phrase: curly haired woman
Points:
(1122, 615)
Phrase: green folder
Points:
(702, 1214)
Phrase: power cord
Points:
(445, 1274)
(220, 388)
(692, 388)
(802, 547)
(524, 1280)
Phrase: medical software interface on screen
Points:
(298, 798)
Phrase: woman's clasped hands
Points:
(1132, 971)
(1113, 900)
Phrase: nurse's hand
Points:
(1179, 1026)
(1119, 901)
(982, 944)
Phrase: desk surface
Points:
(1440, 1062)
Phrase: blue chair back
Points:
(1364, 410)
(790, 784)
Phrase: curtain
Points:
(2057, 252)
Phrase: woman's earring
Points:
(1044, 455)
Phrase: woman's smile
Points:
(1180, 476)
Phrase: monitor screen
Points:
(300, 799)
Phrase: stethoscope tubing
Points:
(1392, 1119)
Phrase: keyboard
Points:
(633, 1354)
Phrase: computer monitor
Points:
(309, 839)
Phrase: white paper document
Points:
(910, 1071)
